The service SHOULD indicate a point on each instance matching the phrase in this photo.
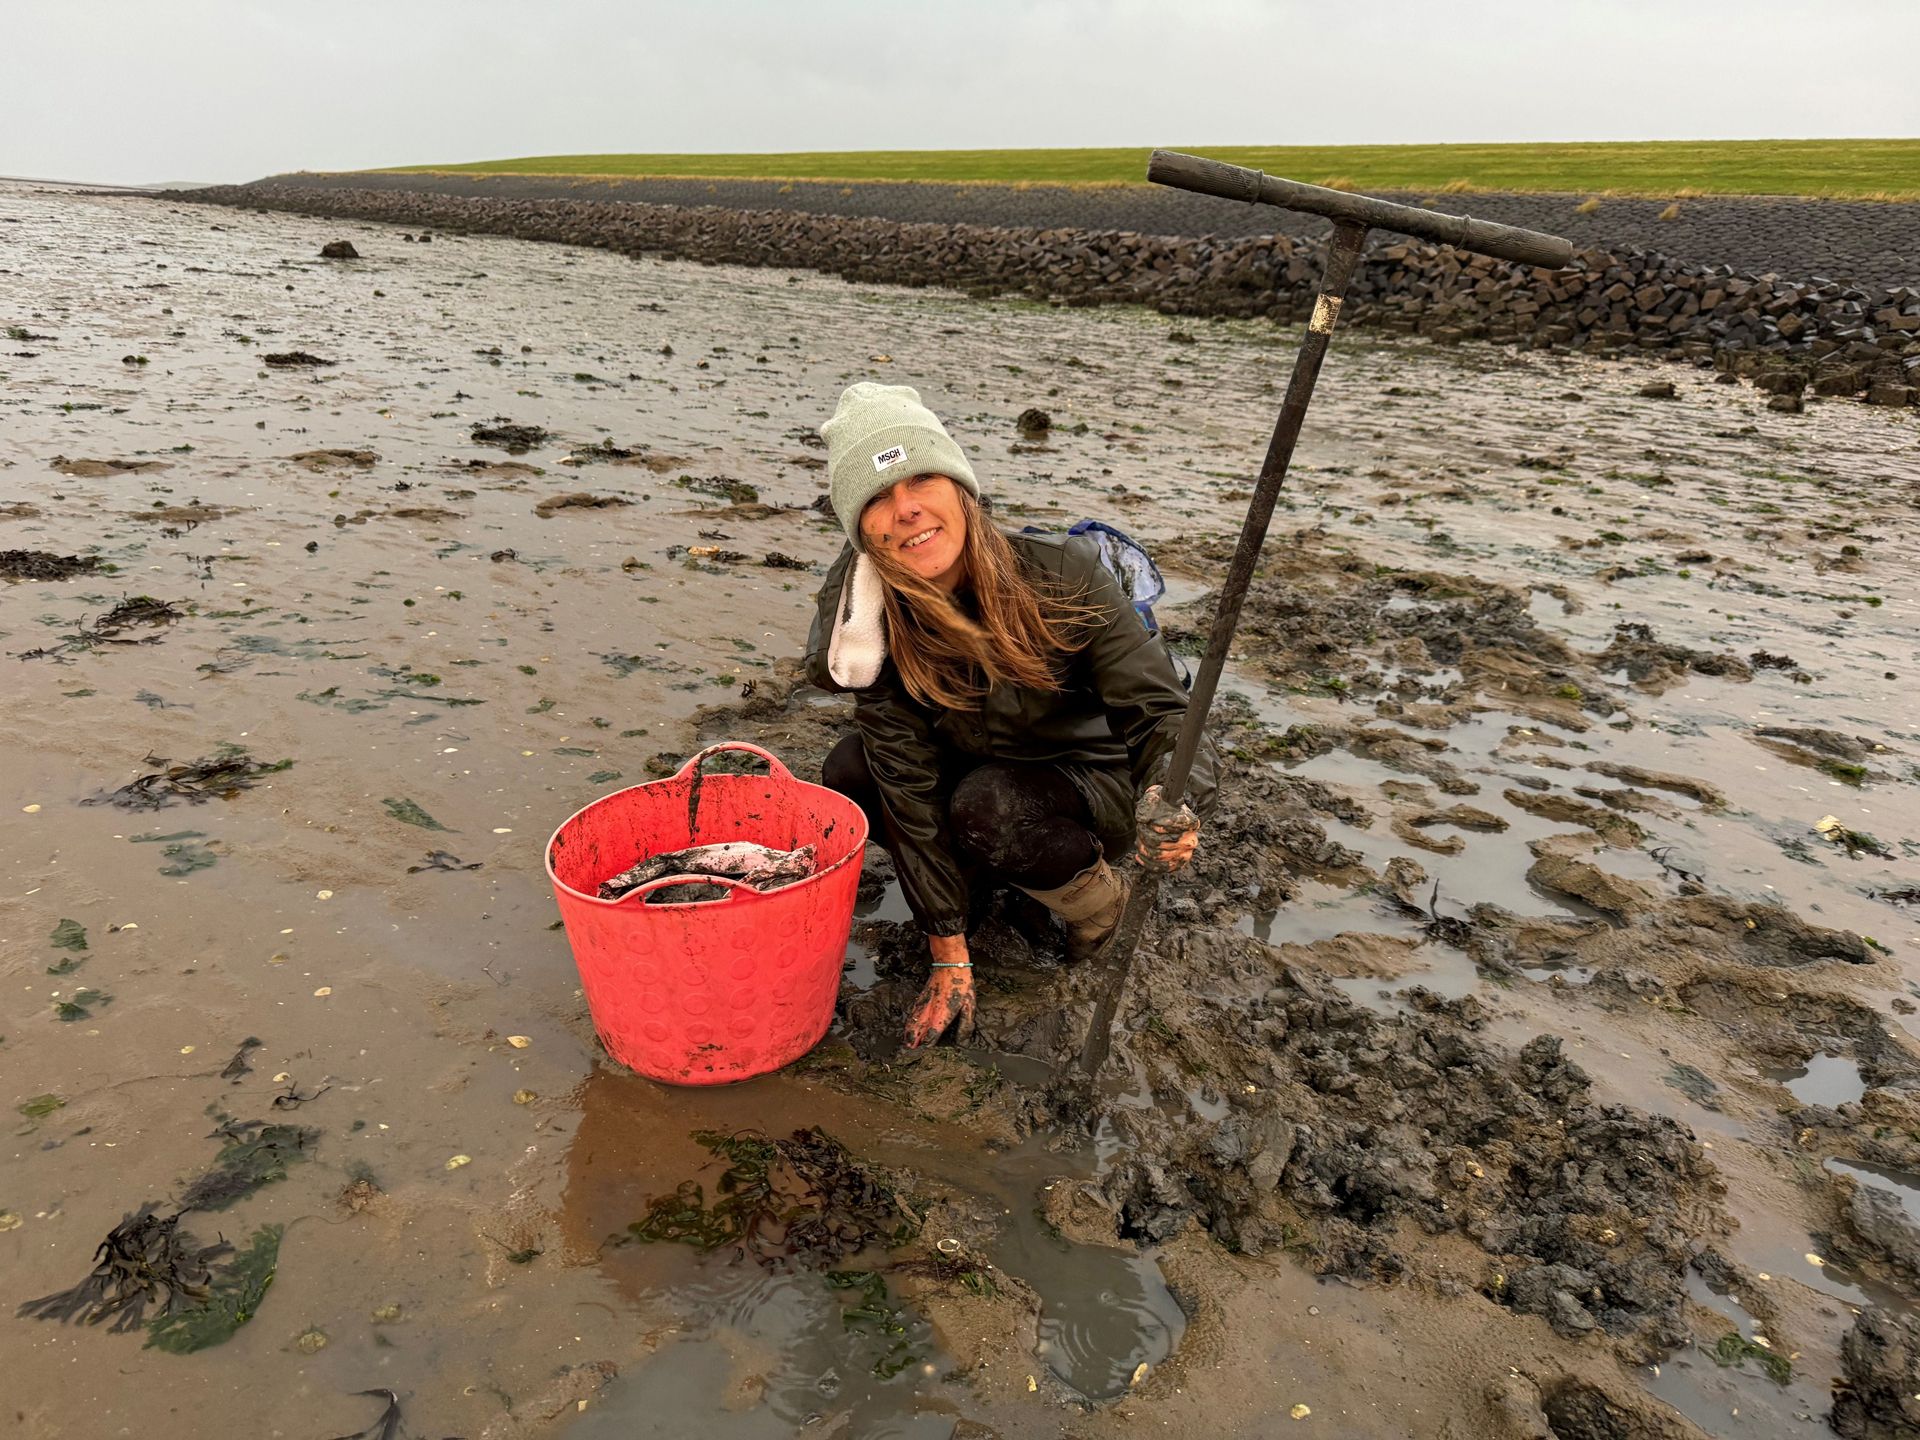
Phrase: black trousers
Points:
(1029, 824)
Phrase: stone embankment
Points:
(1788, 335)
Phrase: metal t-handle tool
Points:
(1353, 216)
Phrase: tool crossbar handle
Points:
(1463, 232)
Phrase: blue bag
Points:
(1127, 560)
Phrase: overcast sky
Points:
(151, 90)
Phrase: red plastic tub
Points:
(712, 991)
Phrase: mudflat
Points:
(1532, 1049)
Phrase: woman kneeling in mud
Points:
(1011, 709)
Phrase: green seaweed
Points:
(408, 813)
(223, 775)
(734, 492)
(69, 935)
(40, 1106)
(185, 859)
(625, 665)
(79, 1005)
(1733, 1348)
(330, 696)
(874, 1313)
(144, 1260)
(233, 1298)
(804, 1199)
(182, 856)
(255, 1154)
(1845, 771)
(453, 701)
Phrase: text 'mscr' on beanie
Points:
(880, 435)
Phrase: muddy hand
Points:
(947, 996)
(1168, 834)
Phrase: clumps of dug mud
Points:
(1879, 1398)
(103, 469)
(577, 500)
(1360, 1125)
(1334, 623)
(1346, 1132)
(320, 461)
(1655, 665)
(514, 439)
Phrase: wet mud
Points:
(1530, 1051)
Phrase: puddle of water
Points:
(1571, 974)
(1766, 1244)
(1449, 974)
(1319, 912)
(1737, 1400)
(770, 1349)
(758, 1356)
(1903, 1185)
(1546, 609)
(858, 971)
(1104, 1311)
(1023, 1070)
(1823, 1080)
(1211, 1109)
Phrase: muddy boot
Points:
(1090, 903)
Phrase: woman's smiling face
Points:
(922, 523)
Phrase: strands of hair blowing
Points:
(948, 659)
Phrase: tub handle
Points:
(774, 767)
(739, 888)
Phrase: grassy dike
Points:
(1829, 169)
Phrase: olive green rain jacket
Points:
(1110, 729)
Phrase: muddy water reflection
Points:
(757, 1356)
(752, 1350)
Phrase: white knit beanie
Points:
(880, 435)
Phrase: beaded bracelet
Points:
(950, 964)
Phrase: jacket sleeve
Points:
(897, 734)
(1132, 673)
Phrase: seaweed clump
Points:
(803, 1199)
(148, 1262)
(255, 1154)
(222, 775)
(230, 1301)
(45, 565)
(145, 1261)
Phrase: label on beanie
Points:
(889, 457)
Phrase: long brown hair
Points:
(948, 659)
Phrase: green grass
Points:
(1667, 169)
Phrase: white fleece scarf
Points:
(859, 645)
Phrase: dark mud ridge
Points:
(1789, 336)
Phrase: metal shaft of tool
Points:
(1343, 258)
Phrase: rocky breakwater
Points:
(1788, 336)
